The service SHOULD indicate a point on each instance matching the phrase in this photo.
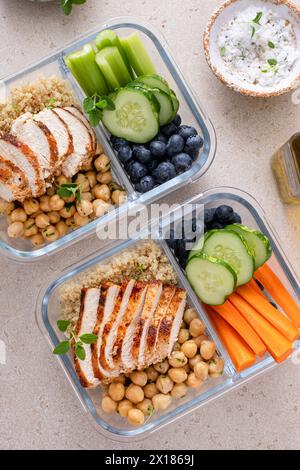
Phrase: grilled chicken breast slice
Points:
(90, 299)
(74, 110)
(13, 182)
(22, 156)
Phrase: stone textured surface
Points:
(37, 407)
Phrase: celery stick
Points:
(84, 68)
(138, 55)
(109, 38)
(111, 64)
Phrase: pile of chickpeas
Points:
(137, 396)
(49, 217)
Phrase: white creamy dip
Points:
(258, 46)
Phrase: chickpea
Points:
(201, 371)
(56, 203)
(146, 407)
(152, 374)
(101, 207)
(199, 340)
(207, 350)
(51, 191)
(83, 182)
(121, 379)
(101, 191)
(135, 417)
(177, 359)
(45, 204)
(183, 326)
(79, 220)
(102, 163)
(88, 165)
(84, 208)
(195, 360)
(15, 230)
(62, 228)
(118, 197)
(183, 336)
(99, 149)
(116, 391)
(193, 381)
(92, 178)
(187, 368)
(123, 408)
(162, 367)
(179, 390)
(87, 197)
(6, 208)
(42, 221)
(150, 390)
(161, 402)
(67, 213)
(197, 328)
(104, 178)
(50, 233)
(216, 366)
(164, 384)
(189, 315)
(71, 222)
(134, 393)
(37, 240)
(31, 206)
(30, 228)
(177, 375)
(18, 215)
(139, 378)
(60, 180)
(108, 405)
(176, 346)
(189, 348)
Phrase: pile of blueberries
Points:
(170, 153)
(215, 218)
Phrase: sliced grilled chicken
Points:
(147, 354)
(123, 341)
(86, 323)
(79, 115)
(39, 139)
(139, 336)
(169, 326)
(13, 182)
(60, 132)
(107, 304)
(22, 156)
(82, 142)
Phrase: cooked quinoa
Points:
(144, 262)
(33, 97)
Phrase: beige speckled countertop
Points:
(37, 408)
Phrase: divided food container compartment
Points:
(48, 312)
(190, 110)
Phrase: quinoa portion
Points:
(144, 262)
(33, 97)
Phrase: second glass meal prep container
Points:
(190, 110)
(113, 425)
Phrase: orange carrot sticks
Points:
(230, 314)
(254, 285)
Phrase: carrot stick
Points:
(230, 314)
(241, 355)
(277, 344)
(256, 287)
(270, 313)
(277, 290)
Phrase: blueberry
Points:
(236, 219)
(187, 131)
(182, 162)
(117, 142)
(169, 129)
(216, 225)
(146, 184)
(175, 145)
(141, 153)
(158, 149)
(164, 172)
(137, 171)
(177, 120)
(193, 145)
(224, 214)
(152, 165)
(209, 215)
(161, 138)
(124, 153)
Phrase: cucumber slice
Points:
(135, 117)
(231, 247)
(108, 38)
(137, 55)
(166, 107)
(213, 280)
(175, 102)
(155, 81)
(111, 64)
(256, 240)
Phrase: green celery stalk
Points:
(108, 38)
(112, 66)
(138, 55)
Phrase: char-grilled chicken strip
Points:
(107, 304)
(123, 341)
(147, 354)
(90, 299)
(22, 156)
(79, 115)
(39, 139)
(169, 326)
(153, 295)
(82, 142)
(13, 182)
(60, 132)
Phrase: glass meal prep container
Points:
(113, 425)
(190, 110)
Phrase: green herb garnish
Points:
(69, 206)
(94, 106)
(63, 347)
(51, 103)
(67, 5)
(222, 51)
(258, 17)
(253, 31)
(70, 189)
(271, 45)
(272, 62)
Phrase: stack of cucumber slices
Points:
(227, 260)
